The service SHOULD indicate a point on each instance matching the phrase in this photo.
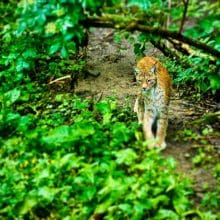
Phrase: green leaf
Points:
(64, 52)
(167, 214)
(11, 96)
(21, 65)
(54, 48)
(172, 162)
(105, 109)
(142, 37)
(28, 204)
(120, 134)
(207, 25)
(181, 204)
(103, 207)
(24, 123)
(59, 135)
(70, 160)
(126, 208)
(41, 19)
(138, 208)
(159, 200)
(45, 173)
(46, 193)
(143, 4)
(21, 28)
(117, 38)
(171, 182)
(29, 53)
(126, 156)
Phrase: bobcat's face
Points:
(147, 78)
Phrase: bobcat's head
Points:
(146, 77)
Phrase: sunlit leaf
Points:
(11, 96)
(64, 52)
(47, 193)
(28, 204)
(143, 4)
(54, 48)
(126, 156)
(167, 214)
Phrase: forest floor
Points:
(195, 146)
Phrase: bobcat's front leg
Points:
(147, 125)
(139, 109)
(161, 132)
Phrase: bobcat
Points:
(152, 102)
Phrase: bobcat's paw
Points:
(163, 145)
(160, 145)
(152, 143)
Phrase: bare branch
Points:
(59, 79)
(185, 3)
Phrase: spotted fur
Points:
(152, 102)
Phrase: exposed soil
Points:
(114, 62)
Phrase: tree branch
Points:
(170, 53)
(119, 22)
(185, 3)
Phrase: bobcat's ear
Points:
(153, 69)
(136, 71)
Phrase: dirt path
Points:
(115, 63)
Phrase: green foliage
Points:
(66, 158)
(40, 33)
(212, 197)
(198, 70)
(82, 159)
(199, 74)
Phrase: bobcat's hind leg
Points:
(147, 126)
(161, 132)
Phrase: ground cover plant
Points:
(68, 157)
(82, 160)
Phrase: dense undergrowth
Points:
(67, 158)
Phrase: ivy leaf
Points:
(64, 52)
(142, 37)
(11, 96)
(21, 27)
(143, 4)
(29, 53)
(103, 207)
(105, 109)
(166, 214)
(41, 19)
(21, 64)
(24, 122)
(47, 193)
(125, 207)
(59, 135)
(28, 204)
(70, 160)
(161, 199)
(180, 204)
(54, 48)
(126, 156)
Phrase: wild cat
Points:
(152, 102)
